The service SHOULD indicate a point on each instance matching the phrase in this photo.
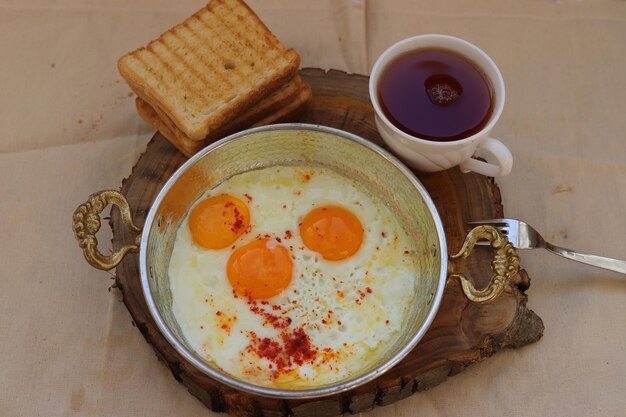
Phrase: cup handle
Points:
(499, 159)
(86, 223)
(505, 264)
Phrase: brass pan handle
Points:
(505, 264)
(86, 223)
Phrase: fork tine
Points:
(504, 230)
(489, 221)
(501, 225)
(509, 228)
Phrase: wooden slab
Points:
(461, 334)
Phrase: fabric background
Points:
(69, 128)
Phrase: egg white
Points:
(352, 310)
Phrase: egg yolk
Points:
(332, 231)
(218, 221)
(260, 269)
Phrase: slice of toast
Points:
(189, 147)
(207, 70)
(291, 110)
(285, 113)
(258, 111)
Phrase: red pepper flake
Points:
(273, 320)
(341, 294)
(298, 346)
(294, 348)
(284, 206)
(356, 300)
(324, 321)
(406, 252)
(237, 225)
(288, 234)
(377, 247)
(219, 313)
(368, 289)
(201, 327)
(248, 197)
(383, 234)
(279, 240)
(339, 323)
(387, 322)
(307, 177)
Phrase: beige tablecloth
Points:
(67, 346)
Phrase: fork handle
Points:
(586, 258)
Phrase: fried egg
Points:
(291, 277)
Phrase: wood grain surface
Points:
(461, 334)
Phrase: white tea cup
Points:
(429, 155)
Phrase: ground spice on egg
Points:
(290, 348)
(238, 224)
(295, 349)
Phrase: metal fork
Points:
(523, 236)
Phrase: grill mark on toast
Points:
(224, 54)
(194, 83)
(236, 53)
(138, 88)
(273, 51)
(229, 81)
(249, 82)
(171, 70)
(248, 37)
(189, 68)
(244, 35)
(206, 96)
(232, 78)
